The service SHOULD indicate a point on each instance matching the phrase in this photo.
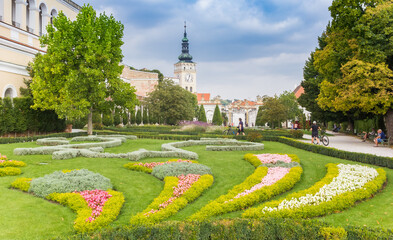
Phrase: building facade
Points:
(244, 109)
(22, 22)
(185, 68)
(209, 105)
(144, 82)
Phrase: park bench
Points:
(386, 142)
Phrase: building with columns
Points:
(185, 68)
(22, 22)
(244, 109)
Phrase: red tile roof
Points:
(203, 97)
(298, 91)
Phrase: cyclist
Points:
(314, 132)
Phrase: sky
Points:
(243, 48)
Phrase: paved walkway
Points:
(354, 144)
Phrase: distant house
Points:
(299, 90)
(209, 104)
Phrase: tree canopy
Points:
(272, 112)
(170, 103)
(357, 61)
(80, 71)
(202, 114)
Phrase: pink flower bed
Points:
(273, 175)
(2, 158)
(273, 158)
(96, 200)
(151, 165)
(185, 182)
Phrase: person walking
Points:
(314, 132)
(240, 127)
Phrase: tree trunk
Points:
(90, 123)
(389, 124)
(351, 125)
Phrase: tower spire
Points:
(185, 55)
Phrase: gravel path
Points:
(354, 144)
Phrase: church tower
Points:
(185, 69)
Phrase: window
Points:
(13, 13)
(53, 14)
(42, 23)
(190, 89)
(187, 88)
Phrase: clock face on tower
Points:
(188, 78)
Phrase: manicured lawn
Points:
(24, 216)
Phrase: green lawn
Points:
(24, 216)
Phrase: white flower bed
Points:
(350, 178)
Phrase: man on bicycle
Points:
(314, 132)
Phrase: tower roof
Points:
(185, 56)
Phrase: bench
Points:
(386, 142)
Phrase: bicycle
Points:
(322, 138)
(229, 131)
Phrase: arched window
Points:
(43, 13)
(187, 88)
(53, 14)
(10, 92)
(13, 13)
(190, 89)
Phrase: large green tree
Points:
(80, 71)
(273, 112)
(217, 119)
(366, 78)
(170, 103)
(293, 111)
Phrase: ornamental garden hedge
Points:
(221, 195)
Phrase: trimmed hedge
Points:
(35, 138)
(22, 184)
(204, 182)
(338, 203)
(78, 204)
(10, 171)
(176, 169)
(250, 229)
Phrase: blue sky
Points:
(243, 48)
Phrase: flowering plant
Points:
(95, 200)
(184, 183)
(273, 158)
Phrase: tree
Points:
(311, 84)
(169, 103)
(217, 119)
(80, 71)
(273, 112)
(288, 99)
(365, 84)
(138, 118)
(145, 116)
(258, 121)
(202, 114)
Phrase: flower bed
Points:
(10, 167)
(262, 185)
(177, 193)
(95, 208)
(341, 188)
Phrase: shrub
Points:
(179, 168)
(10, 171)
(296, 133)
(254, 136)
(11, 163)
(22, 184)
(60, 182)
(98, 126)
